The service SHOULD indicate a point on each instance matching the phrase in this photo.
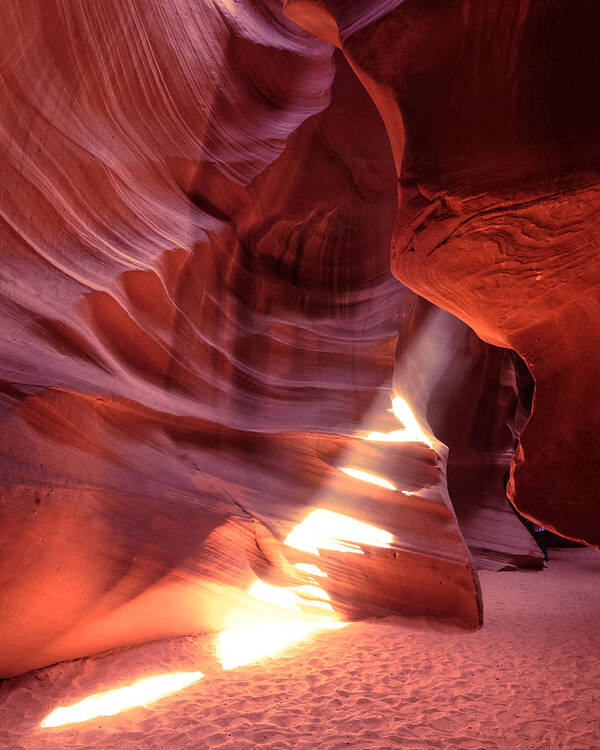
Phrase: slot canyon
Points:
(299, 309)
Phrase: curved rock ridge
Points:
(493, 116)
(108, 112)
(200, 332)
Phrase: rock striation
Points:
(476, 398)
(215, 391)
(199, 334)
(495, 140)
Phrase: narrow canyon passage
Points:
(299, 328)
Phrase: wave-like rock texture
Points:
(493, 115)
(199, 327)
(476, 398)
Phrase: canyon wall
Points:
(204, 353)
(493, 114)
(199, 331)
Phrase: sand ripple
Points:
(530, 679)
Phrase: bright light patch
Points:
(114, 701)
(311, 569)
(278, 595)
(239, 646)
(313, 591)
(396, 436)
(366, 476)
(318, 604)
(412, 431)
(297, 598)
(403, 412)
(324, 529)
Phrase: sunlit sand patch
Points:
(366, 476)
(321, 530)
(114, 701)
(237, 647)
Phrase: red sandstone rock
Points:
(492, 112)
(199, 328)
(476, 397)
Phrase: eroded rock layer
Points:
(199, 330)
(493, 115)
(476, 398)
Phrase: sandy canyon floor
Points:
(529, 679)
